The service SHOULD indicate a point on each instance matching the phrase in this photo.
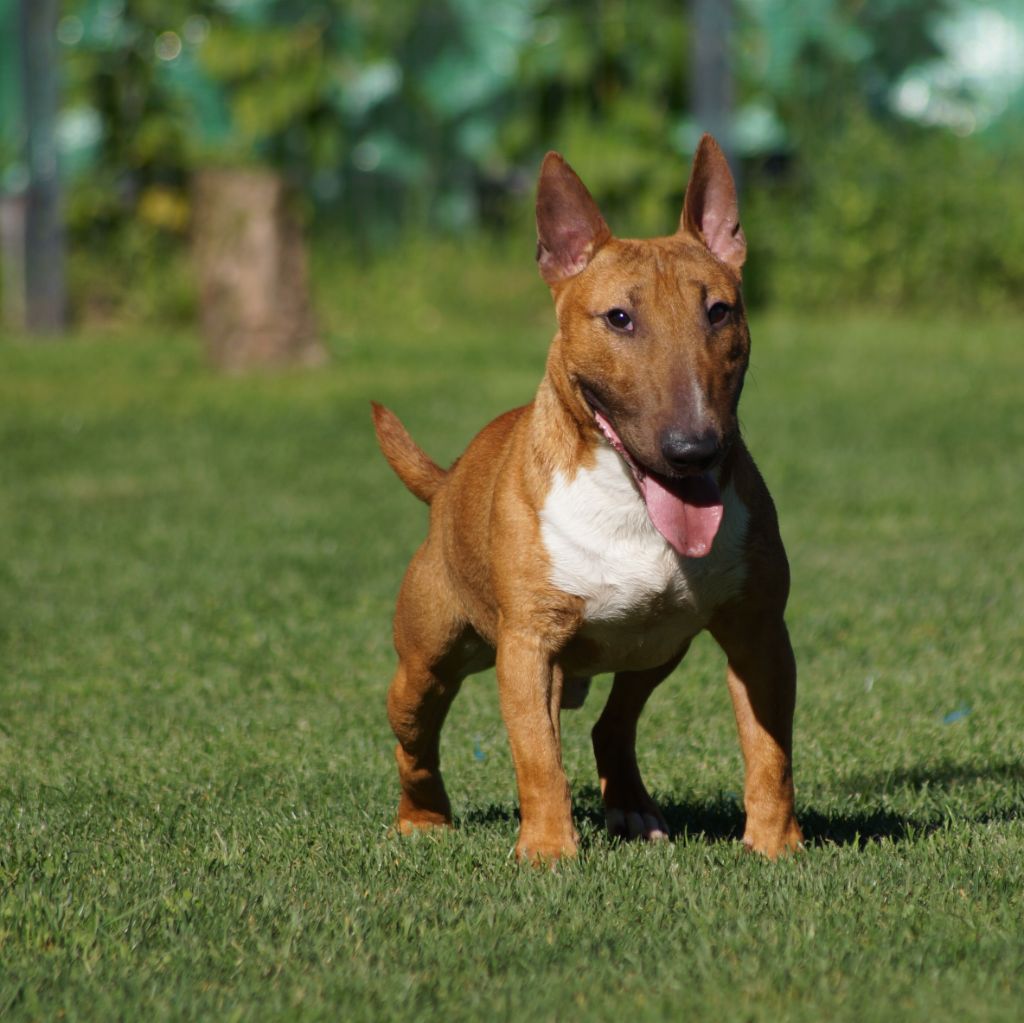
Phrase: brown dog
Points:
(601, 527)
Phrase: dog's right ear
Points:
(570, 228)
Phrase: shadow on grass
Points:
(721, 819)
(484, 815)
(943, 775)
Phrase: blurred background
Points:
(186, 161)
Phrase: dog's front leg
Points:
(529, 687)
(762, 684)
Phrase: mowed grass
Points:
(196, 785)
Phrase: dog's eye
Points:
(619, 319)
(718, 313)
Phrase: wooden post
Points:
(12, 258)
(712, 82)
(45, 302)
(250, 256)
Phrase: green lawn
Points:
(196, 785)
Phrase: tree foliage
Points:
(433, 114)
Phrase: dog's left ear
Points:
(710, 209)
(570, 228)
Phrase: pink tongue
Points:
(688, 515)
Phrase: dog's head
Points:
(653, 342)
(652, 333)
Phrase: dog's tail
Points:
(420, 473)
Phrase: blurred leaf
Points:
(236, 52)
(164, 208)
(264, 107)
(360, 88)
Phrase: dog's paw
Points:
(405, 826)
(773, 843)
(629, 811)
(631, 824)
(413, 817)
(538, 849)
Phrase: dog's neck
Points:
(564, 434)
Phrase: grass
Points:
(196, 580)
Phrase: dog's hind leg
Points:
(436, 651)
(629, 811)
(418, 703)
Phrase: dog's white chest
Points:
(642, 599)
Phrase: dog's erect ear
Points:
(570, 228)
(710, 209)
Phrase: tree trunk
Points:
(32, 246)
(254, 302)
(711, 79)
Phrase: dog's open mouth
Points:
(686, 510)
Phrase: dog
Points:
(601, 527)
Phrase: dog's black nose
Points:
(688, 452)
